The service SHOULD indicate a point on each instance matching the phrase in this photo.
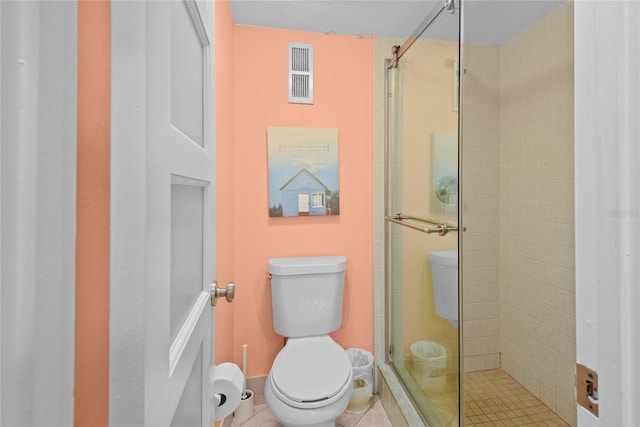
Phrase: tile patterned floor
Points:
(493, 398)
(374, 417)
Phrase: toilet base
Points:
(327, 424)
(296, 417)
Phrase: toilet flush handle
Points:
(229, 292)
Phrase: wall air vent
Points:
(300, 73)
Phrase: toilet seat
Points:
(310, 372)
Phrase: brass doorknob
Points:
(229, 292)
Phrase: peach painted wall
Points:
(246, 237)
(91, 389)
(225, 164)
(343, 89)
(92, 259)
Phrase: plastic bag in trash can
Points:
(430, 352)
(429, 361)
(362, 363)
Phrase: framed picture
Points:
(303, 172)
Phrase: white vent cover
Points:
(300, 73)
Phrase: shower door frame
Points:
(391, 63)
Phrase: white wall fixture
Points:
(300, 73)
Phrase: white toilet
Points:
(444, 272)
(311, 380)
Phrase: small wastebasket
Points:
(362, 363)
(429, 360)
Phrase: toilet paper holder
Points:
(226, 388)
(220, 398)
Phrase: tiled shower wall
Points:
(480, 204)
(518, 209)
(537, 277)
(519, 292)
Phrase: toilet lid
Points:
(311, 369)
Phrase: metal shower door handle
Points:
(229, 292)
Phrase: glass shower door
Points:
(421, 219)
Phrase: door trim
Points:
(607, 188)
(128, 214)
(38, 105)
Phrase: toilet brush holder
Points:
(244, 411)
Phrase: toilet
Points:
(311, 380)
(444, 272)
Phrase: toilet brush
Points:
(244, 369)
(244, 411)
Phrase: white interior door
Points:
(163, 213)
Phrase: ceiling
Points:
(485, 21)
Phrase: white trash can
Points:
(429, 365)
(362, 363)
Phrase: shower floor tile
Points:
(494, 398)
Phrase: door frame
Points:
(128, 213)
(607, 189)
(38, 110)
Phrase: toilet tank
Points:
(306, 294)
(444, 271)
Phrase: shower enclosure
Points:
(421, 214)
(479, 135)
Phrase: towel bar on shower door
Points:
(442, 228)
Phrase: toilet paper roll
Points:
(226, 383)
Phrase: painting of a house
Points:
(303, 172)
(304, 195)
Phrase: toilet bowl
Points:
(444, 272)
(311, 380)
